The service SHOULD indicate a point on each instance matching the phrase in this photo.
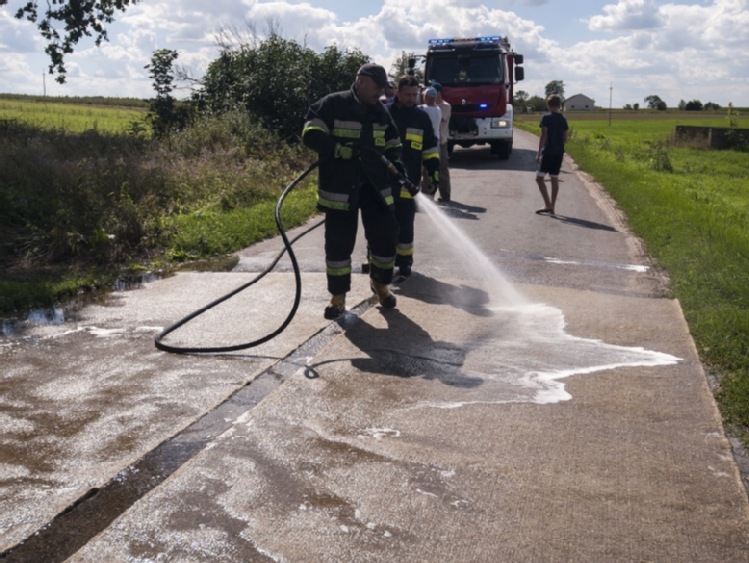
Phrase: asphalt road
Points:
(536, 396)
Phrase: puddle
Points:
(130, 283)
(57, 315)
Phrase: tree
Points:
(275, 80)
(165, 113)
(555, 87)
(520, 99)
(694, 105)
(76, 18)
(654, 102)
(537, 103)
(401, 67)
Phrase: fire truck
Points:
(477, 77)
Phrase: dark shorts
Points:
(551, 164)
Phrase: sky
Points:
(616, 53)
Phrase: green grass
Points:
(79, 208)
(215, 232)
(691, 208)
(74, 117)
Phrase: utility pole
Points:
(44, 84)
(611, 97)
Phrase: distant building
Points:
(579, 102)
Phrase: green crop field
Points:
(74, 117)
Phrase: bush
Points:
(105, 199)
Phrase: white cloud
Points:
(628, 14)
(697, 49)
(17, 36)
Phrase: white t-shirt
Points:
(436, 116)
(446, 109)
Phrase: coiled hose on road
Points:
(297, 293)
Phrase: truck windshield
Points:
(456, 69)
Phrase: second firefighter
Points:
(420, 149)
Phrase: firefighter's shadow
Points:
(430, 290)
(404, 349)
(459, 210)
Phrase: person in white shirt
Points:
(430, 106)
(444, 128)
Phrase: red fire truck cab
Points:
(477, 77)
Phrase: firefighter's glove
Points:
(345, 151)
(412, 188)
(434, 177)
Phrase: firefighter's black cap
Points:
(375, 72)
(437, 86)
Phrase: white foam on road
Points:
(523, 352)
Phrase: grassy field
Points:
(84, 201)
(691, 208)
(75, 117)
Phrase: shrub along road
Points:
(555, 409)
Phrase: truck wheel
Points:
(504, 150)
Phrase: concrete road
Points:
(536, 396)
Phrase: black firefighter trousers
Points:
(380, 230)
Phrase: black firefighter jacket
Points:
(419, 143)
(340, 118)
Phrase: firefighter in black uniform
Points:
(420, 149)
(351, 131)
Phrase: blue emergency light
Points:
(487, 39)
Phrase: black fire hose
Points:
(297, 294)
(402, 181)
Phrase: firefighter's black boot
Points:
(337, 307)
(383, 293)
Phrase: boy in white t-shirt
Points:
(430, 106)
(446, 110)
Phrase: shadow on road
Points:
(482, 159)
(415, 356)
(458, 210)
(584, 223)
(433, 291)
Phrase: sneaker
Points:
(383, 293)
(336, 308)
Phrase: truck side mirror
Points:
(518, 58)
(519, 73)
(411, 62)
